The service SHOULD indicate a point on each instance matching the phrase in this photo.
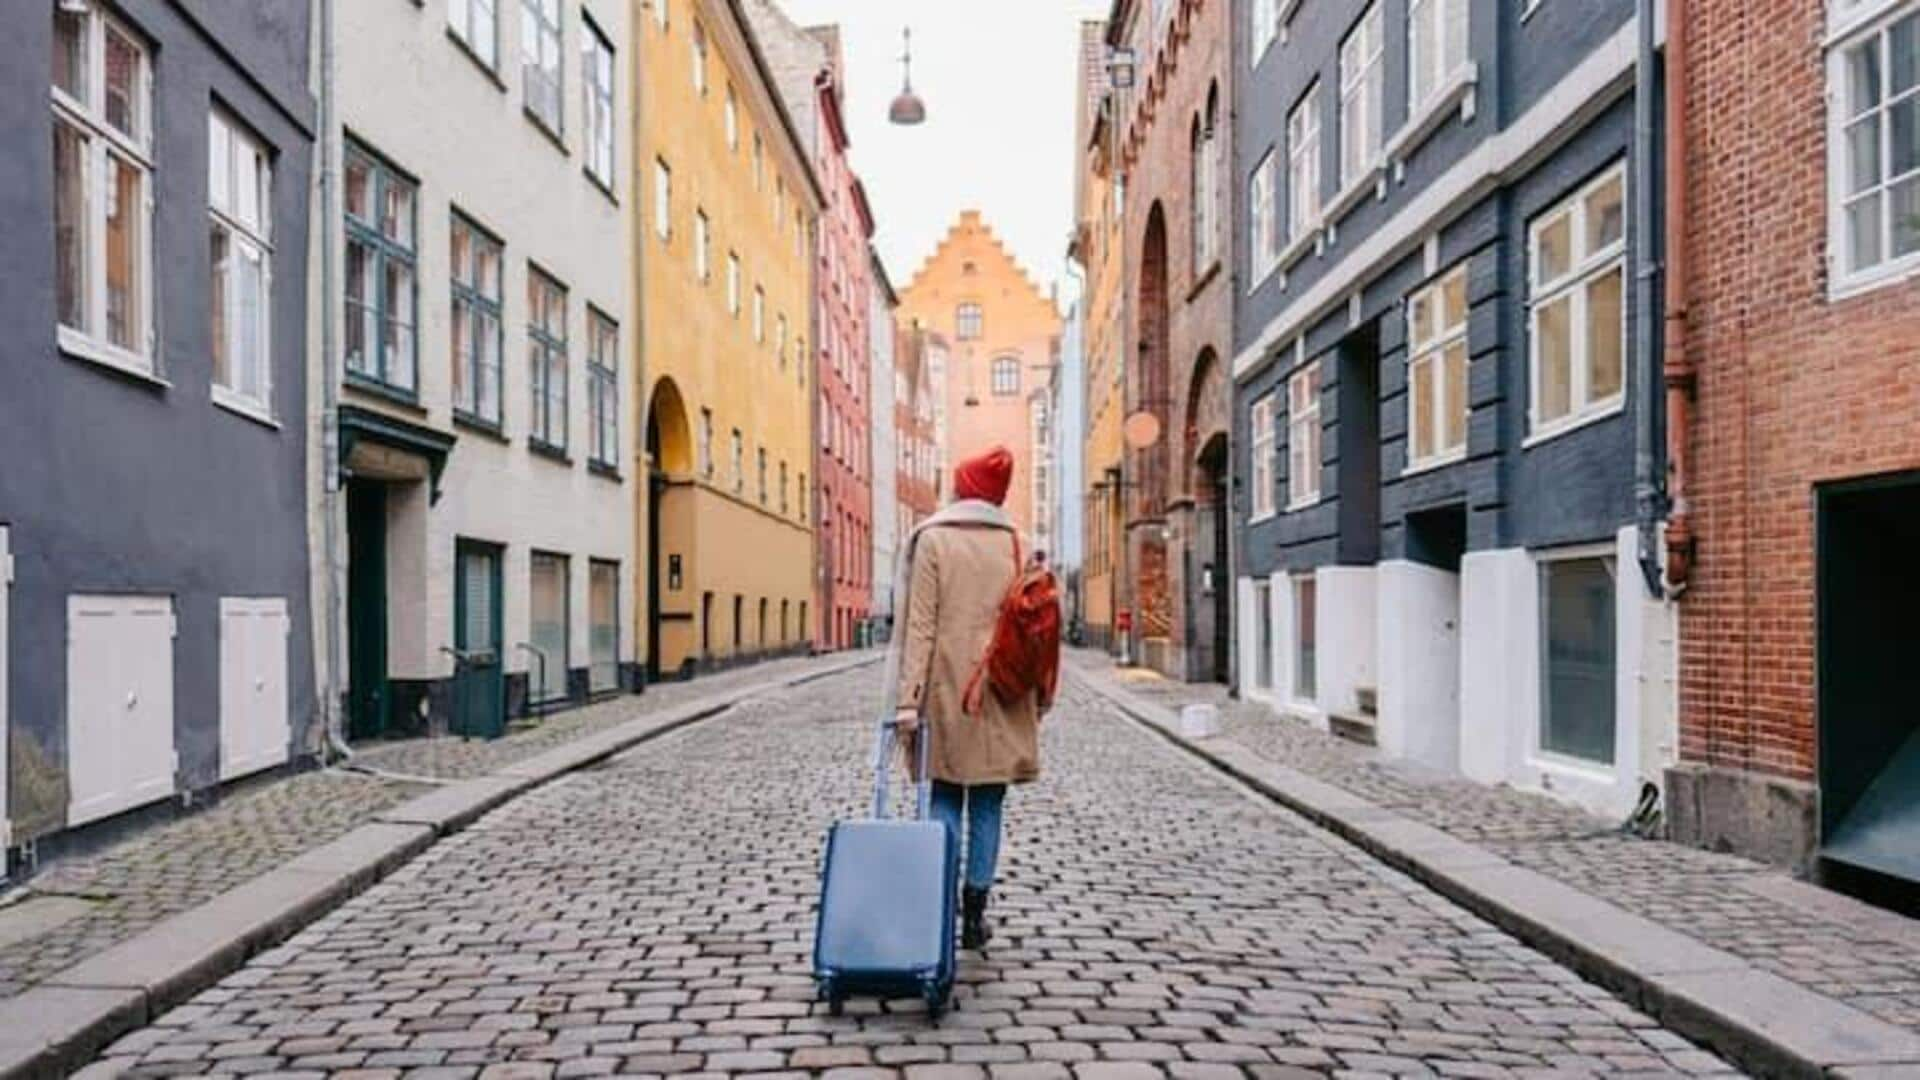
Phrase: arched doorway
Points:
(1209, 570)
(1152, 589)
(669, 457)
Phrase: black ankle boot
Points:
(974, 933)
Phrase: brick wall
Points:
(1794, 389)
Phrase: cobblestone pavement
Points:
(1705, 894)
(654, 915)
(133, 884)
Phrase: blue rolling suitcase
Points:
(887, 899)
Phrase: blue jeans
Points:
(980, 805)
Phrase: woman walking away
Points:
(957, 574)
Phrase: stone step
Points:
(1358, 729)
(1369, 700)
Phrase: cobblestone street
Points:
(654, 915)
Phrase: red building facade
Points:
(844, 284)
(916, 440)
(1798, 314)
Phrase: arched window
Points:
(1006, 376)
(967, 322)
(1206, 147)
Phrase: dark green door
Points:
(479, 684)
(366, 609)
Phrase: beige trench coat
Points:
(959, 575)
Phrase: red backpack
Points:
(1024, 654)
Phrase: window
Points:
(1437, 371)
(1303, 163)
(699, 57)
(1576, 253)
(702, 265)
(783, 487)
(1260, 469)
(660, 14)
(1205, 183)
(802, 495)
(759, 163)
(1263, 635)
(1006, 376)
(1577, 680)
(967, 322)
(706, 443)
(1875, 90)
(732, 114)
(547, 359)
(603, 389)
(1362, 94)
(240, 208)
(733, 284)
(597, 88)
(1264, 18)
(475, 279)
(102, 189)
(1264, 222)
(547, 627)
(379, 273)
(779, 190)
(1303, 437)
(473, 23)
(1306, 645)
(759, 315)
(761, 466)
(1436, 47)
(780, 338)
(662, 199)
(540, 60)
(739, 460)
(603, 626)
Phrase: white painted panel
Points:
(6, 587)
(1499, 663)
(1419, 657)
(1347, 615)
(119, 703)
(253, 685)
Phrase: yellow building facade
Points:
(1097, 248)
(724, 245)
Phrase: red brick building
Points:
(1799, 312)
(1177, 310)
(916, 394)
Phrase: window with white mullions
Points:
(379, 280)
(1436, 48)
(102, 187)
(1263, 218)
(1303, 163)
(1260, 467)
(1576, 255)
(1876, 159)
(547, 359)
(475, 23)
(1437, 371)
(240, 211)
(597, 88)
(540, 60)
(1303, 437)
(1006, 376)
(1363, 75)
(603, 388)
(477, 334)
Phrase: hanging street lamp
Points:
(907, 109)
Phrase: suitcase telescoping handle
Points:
(883, 761)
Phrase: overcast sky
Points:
(997, 77)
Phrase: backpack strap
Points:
(971, 697)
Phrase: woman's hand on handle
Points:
(906, 721)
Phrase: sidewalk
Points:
(80, 906)
(1856, 965)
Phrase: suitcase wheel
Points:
(937, 998)
(830, 993)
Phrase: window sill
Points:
(1309, 237)
(1304, 504)
(1354, 194)
(1435, 464)
(479, 426)
(371, 386)
(81, 347)
(597, 181)
(244, 406)
(1206, 276)
(1262, 518)
(540, 124)
(547, 450)
(605, 471)
(1458, 91)
(1880, 277)
(1569, 424)
(491, 71)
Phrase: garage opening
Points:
(1868, 682)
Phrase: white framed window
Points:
(761, 466)
(1303, 437)
(968, 322)
(381, 291)
(661, 15)
(759, 315)
(1363, 73)
(103, 189)
(1306, 637)
(1436, 47)
(739, 463)
(733, 284)
(540, 61)
(1260, 446)
(1263, 27)
(475, 284)
(1263, 216)
(1874, 174)
(1576, 258)
(699, 57)
(240, 212)
(1006, 376)
(597, 88)
(603, 389)
(1303, 163)
(476, 24)
(780, 339)
(547, 359)
(1578, 662)
(1437, 371)
(662, 199)
(702, 236)
(1205, 181)
(706, 443)
(731, 111)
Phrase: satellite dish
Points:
(1141, 430)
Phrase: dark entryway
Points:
(367, 693)
(1438, 537)
(1208, 572)
(1868, 556)
(1358, 435)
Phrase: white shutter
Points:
(6, 585)
(120, 751)
(254, 732)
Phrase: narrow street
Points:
(654, 915)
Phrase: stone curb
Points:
(57, 1026)
(1752, 1017)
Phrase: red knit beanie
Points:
(985, 477)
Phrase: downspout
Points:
(332, 513)
(1646, 357)
(1680, 374)
(643, 577)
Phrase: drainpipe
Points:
(1680, 374)
(643, 577)
(332, 512)
(1646, 358)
